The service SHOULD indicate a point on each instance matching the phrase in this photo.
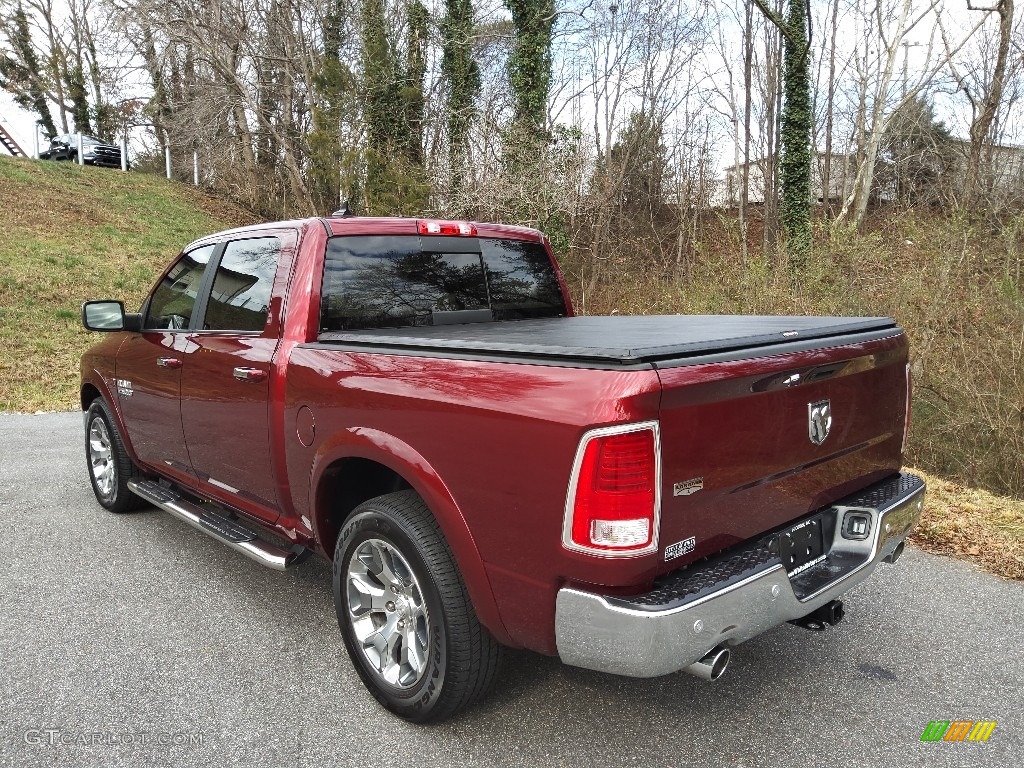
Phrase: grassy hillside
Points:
(974, 525)
(68, 234)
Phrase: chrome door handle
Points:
(253, 375)
(169, 362)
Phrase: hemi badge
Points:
(687, 487)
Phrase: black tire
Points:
(110, 473)
(460, 658)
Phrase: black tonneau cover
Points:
(616, 340)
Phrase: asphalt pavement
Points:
(134, 640)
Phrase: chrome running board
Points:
(219, 527)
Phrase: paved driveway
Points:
(121, 632)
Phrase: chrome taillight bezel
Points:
(570, 501)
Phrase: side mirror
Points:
(109, 316)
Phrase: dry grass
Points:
(955, 285)
(70, 234)
(975, 525)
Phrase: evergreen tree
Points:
(392, 96)
(463, 76)
(415, 72)
(333, 89)
(916, 157)
(639, 166)
(20, 72)
(529, 65)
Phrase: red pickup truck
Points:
(415, 400)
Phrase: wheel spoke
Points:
(414, 653)
(388, 569)
(365, 595)
(381, 647)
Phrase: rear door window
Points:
(401, 281)
(240, 299)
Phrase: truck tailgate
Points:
(750, 445)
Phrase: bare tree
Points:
(985, 94)
(888, 25)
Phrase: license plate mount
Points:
(802, 544)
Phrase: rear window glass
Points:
(399, 281)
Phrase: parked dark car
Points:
(94, 151)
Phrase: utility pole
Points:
(906, 50)
(167, 154)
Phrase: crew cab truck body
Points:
(416, 401)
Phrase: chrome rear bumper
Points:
(736, 597)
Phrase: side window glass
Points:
(171, 305)
(241, 289)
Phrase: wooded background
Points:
(540, 110)
(829, 156)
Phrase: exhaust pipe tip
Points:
(712, 666)
(895, 554)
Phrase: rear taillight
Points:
(906, 416)
(435, 227)
(614, 500)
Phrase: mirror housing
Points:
(109, 316)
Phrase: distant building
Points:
(1004, 176)
(842, 172)
(1005, 169)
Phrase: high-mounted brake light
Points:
(614, 503)
(435, 227)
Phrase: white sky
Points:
(21, 123)
(17, 121)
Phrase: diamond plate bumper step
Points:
(217, 526)
(691, 615)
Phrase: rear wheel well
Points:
(344, 486)
(89, 393)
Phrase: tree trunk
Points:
(826, 170)
(989, 104)
(748, 59)
(796, 138)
